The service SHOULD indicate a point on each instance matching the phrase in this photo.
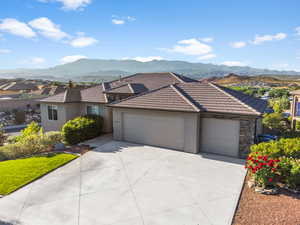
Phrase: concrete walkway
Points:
(126, 184)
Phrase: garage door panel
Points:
(159, 130)
(220, 136)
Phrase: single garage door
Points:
(220, 136)
(157, 129)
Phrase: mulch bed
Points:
(260, 209)
(77, 149)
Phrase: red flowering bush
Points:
(263, 169)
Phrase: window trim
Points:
(51, 115)
(93, 105)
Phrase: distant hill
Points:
(259, 80)
(99, 69)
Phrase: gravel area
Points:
(255, 208)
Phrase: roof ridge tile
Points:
(177, 77)
(178, 91)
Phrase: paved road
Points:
(126, 184)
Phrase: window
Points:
(92, 110)
(52, 112)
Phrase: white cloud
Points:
(71, 58)
(47, 28)
(131, 18)
(233, 63)
(238, 44)
(118, 21)
(81, 42)
(191, 47)
(16, 27)
(206, 57)
(298, 31)
(207, 39)
(145, 59)
(71, 4)
(122, 20)
(5, 51)
(260, 39)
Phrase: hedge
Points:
(82, 128)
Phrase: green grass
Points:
(16, 173)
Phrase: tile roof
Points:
(130, 88)
(164, 98)
(94, 94)
(152, 80)
(204, 97)
(71, 95)
(16, 86)
(136, 83)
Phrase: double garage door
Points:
(218, 136)
(162, 130)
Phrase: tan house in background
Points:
(165, 110)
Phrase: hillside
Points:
(99, 69)
(260, 80)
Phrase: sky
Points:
(256, 33)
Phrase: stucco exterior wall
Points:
(190, 126)
(68, 111)
(52, 125)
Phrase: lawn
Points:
(16, 173)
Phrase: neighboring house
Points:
(17, 87)
(167, 110)
(295, 108)
(191, 117)
(58, 109)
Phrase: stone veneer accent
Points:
(247, 130)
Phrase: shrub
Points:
(2, 135)
(82, 128)
(32, 129)
(290, 172)
(53, 137)
(285, 155)
(12, 139)
(263, 169)
(289, 147)
(30, 145)
(274, 121)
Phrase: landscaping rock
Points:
(251, 183)
(59, 147)
(265, 191)
(295, 191)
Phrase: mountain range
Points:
(101, 70)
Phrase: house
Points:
(190, 117)
(295, 108)
(166, 110)
(56, 110)
(17, 87)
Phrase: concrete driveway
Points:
(126, 184)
